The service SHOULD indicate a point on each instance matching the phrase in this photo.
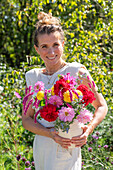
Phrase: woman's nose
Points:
(51, 51)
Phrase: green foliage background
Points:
(88, 26)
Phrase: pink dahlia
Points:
(55, 100)
(66, 114)
(70, 79)
(85, 116)
(39, 86)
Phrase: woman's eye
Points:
(56, 44)
(44, 46)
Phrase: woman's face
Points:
(50, 48)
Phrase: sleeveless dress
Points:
(48, 155)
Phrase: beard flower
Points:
(66, 114)
(85, 116)
(55, 100)
(39, 86)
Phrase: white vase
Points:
(75, 130)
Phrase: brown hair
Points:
(47, 24)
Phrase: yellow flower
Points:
(66, 96)
(79, 94)
(68, 81)
(40, 95)
(52, 90)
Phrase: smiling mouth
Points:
(51, 58)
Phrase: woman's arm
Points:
(37, 128)
(99, 104)
(100, 111)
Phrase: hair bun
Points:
(43, 15)
(47, 19)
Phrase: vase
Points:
(75, 130)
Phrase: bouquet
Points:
(62, 104)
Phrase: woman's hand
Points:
(64, 142)
(82, 139)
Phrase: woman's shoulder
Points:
(32, 72)
(75, 64)
(31, 76)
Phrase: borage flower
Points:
(39, 86)
(55, 100)
(49, 113)
(85, 116)
(66, 114)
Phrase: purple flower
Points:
(89, 85)
(30, 102)
(66, 114)
(97, 133)
(88, 78)
(45, 97)
(28, 168)
(33, 164)
(27, 163)
(18, 157)
(36, 115)
(105, 146)
(39, 86)
(85, 116)
(82, 163)
(23, 159)
(107, 158)
(99, 146)
(17, 95)
(95, 137)
(112, 163)
(93, 83)
(36, 103)
(90, 149)
(25, 99)
(30, 88)
(26, 90)
(68, 105)
(91, 142)
(55, 100)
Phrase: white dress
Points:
(48, 155)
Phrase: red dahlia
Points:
(84, 89)
(88, 96)
(49, 113)
(61, 85)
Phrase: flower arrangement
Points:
(62, 104)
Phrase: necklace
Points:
(49, 78)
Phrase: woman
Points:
(51, 151)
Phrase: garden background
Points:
(88, 26)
